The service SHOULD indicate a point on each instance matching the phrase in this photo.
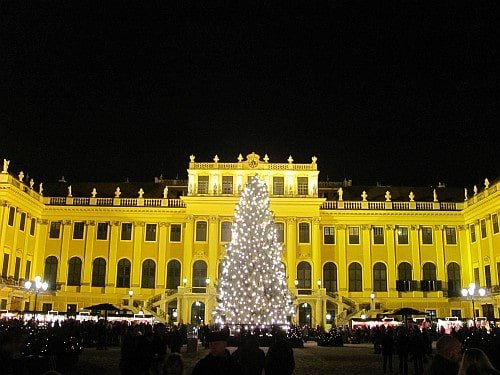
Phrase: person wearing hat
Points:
(218, 360)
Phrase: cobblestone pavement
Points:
(310, 360)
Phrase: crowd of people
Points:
(30, 347)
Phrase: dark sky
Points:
(401, 93)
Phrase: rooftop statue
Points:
(434, 194)
(5, 165)
(141, 193)
(341, 193)
(118, 192)
(388, 196)
(411, 196)
(165, 192)
(94, 192)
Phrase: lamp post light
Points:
(185, 280)
(37, 286)
(372, 305)
(471, 292)
(318, 283)
(130, 295)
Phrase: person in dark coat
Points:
(218, 360)
(402, 348)
(387, 343)
(250, 357)
(159, 346)
(448, 355)
(279, 357)
(175, 340)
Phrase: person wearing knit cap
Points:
(218, 360)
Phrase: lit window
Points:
(402, 235)
(227, 184)
(278, 185)
(302, 186)
(202, 184)
(225, 231)
(280, 228)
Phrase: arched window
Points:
(50, 272)
(330, 277)
(404, 271)
(429, 271)
(148, 274)
(123, 274)
(99, 272)
(454, 280)
(380, 277)
(173, 274)
(355, 277)
(304, 275)
(74, 271)
(199, 276)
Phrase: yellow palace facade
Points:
(348, 250)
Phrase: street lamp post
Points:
(471, 292)
(372, 305)
(37, 286)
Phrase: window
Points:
(278, 186)
(355, 277)
(494, 223)
(12, 216)
(454, 280)
(302, 186)
(199, 276)
(46, 307)
(225, 231)
(202, 184)
(32, 226)
(457, 313)
(28, 270)
(303, 232)
(304, 275)
(482, 224)
(487, 276)
(74, 271)
(498, 270)
(472, 229)
(402, 235)
(280, 229)
(426, 235)
(78, 230)
(201, 231)
(173, 274)
(150, 232)
(17, 268)
(99, 272)
(380, 277)
(429, 271)
(50, 272)
(123, 274)
(55, 229)
(378, 235)
(451, 236)
(22, 221)
(330, 277)
(329, 235)
(148, 274)
(5, 266)
(102, 231)
(126, 234)
(404, 282)
(353, 235)
(476, 276)
(175, 232)
(227, 184)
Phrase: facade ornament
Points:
(365, 226)
(191, 158)
(364, 195)
(165, 192)
(118, 192)
(290, 159)
(315, 189)
(475, 189)
(411, 196)
(21, 176)
(240, 158)
(141, 193)
(190, 189)
(314, 159)
(239, 188)
(5, 165)
(435, 195)
(390, 227)
(216, 159)
(465, 194)
(486, 183)
(115, 223)
(94, 192)
(40, 188)
(413, 227)
(91, 223)
(32, 182)
(388, 196)
(340, 193)
(70, 193)
(266, 158)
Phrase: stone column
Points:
(162, 255)
(136, 269)
(291, 250)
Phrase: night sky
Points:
(400, 93)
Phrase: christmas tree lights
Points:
(252, 288)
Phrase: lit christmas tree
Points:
(252, 287)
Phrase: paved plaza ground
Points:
(310, 360)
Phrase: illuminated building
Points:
(349, 250)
